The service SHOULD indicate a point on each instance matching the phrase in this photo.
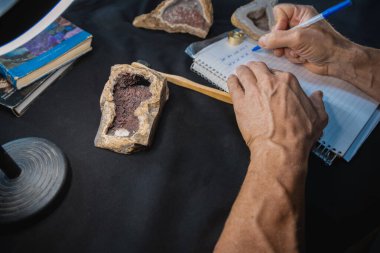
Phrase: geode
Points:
(131, 103)
(179, 16)
(256, 18)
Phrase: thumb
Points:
(278, 39)
(317, 100)
(281, 24)
(281, 13)
(282, 21)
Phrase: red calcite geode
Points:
(182, 16)
(131, 103)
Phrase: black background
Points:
(16, 21)
(176, 196)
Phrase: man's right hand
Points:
(323, 50)
(318, 47)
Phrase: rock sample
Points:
(179, 16)
(256, 18)
(131, 103)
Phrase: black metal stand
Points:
(7, 165)
(32, 173)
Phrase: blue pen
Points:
(318, 18)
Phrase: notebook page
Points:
(348, 108)
(370, 126)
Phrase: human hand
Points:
(271, 108)
(318, 47)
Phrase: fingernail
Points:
(263, 40)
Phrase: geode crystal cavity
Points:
(179, 16)
(256, 18)
(131, 103)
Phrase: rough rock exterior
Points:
(179, 16)
(131, 103)
(256, 18)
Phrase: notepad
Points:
(352, 114)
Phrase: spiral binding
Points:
(212, 71)
(203, 76)
(325, 152)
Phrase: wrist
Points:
(294, 157)
(348, 59)
(277, 173)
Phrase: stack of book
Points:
(28, 70)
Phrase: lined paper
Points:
(348, 108)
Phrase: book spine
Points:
(8, 75)
(41, 60)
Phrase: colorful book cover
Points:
(60, 37)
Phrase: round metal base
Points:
(44, 170)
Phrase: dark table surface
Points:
(174, 197)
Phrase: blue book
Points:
(59, 44)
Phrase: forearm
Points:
(268, 213)
(360, 66)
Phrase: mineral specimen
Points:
(255, 18)
(131, 103)
(184, 16)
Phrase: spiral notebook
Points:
(352, 114)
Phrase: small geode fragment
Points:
(179, 16)
(131, 103)
(256, 18)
